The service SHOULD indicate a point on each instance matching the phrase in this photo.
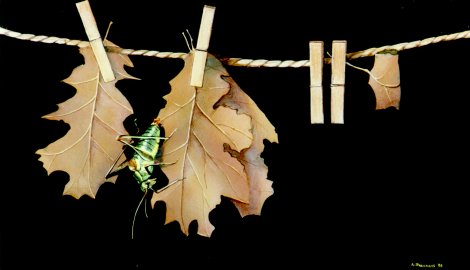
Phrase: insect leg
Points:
(144, 137)
(167, 186)
(138, 151)
(136, 126)
(157, 163)
(141, 137)
(165, 163)
(121, 166)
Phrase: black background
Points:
(385, 190)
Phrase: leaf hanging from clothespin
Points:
(385, 80)
(215, 148)
(95, 114)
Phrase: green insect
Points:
(145, 157)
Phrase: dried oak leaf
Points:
(199, 169)
(95, 114)
(256, 169)
(385, 81)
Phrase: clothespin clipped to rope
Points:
(316, 87)
(200, 54)
(96, 43)
(338, 76)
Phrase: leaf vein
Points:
(113, 99)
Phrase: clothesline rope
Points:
(240, 62)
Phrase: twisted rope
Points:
(239, 61)
(409, 45)
(43, 39)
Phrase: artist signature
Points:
(424, 265)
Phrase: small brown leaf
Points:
(385, 81)
(95, 115)
(200, 171)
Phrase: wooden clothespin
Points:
(338, 75)
(316, 88)
(96, 43)
(200, 54)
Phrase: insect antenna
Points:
(189, 44)
(110, 172)
(145, 210)
(135, 213)
(107, 31)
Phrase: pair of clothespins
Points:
(338, 71)
(200, 54)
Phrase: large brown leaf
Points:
(385, 81)
(198, 131)
(257, 171)
(95, 115)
